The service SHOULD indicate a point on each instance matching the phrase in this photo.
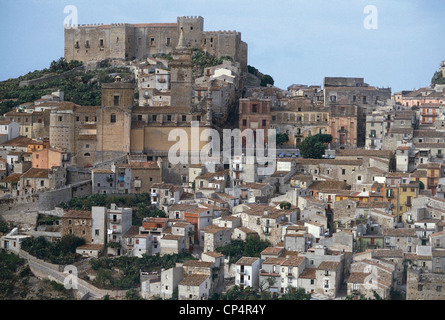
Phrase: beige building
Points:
(424, 285)
(114, 121)
(299, 119)
(78, 223)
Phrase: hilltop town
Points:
(354, 207)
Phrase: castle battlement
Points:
(191, 17)
(222, 32)
(95, 42)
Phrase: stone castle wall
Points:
(97, 42)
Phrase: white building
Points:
(9, 130)
(194, 287)
(248, 272)
(170, 280)
(119, 221)
(142, 244)
(12, 241)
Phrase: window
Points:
(184, 118)
(343, 171)
(439, 288)
(60, 118)
(244, 122)
(116, 101)
(168, 41)
(169, 118)
(154, 117)
(101, 42)
(113, 118)
(264, 123)
(419, 287)
(254, 108)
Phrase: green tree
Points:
(313, 147)
(281, 138)
(295, 294)
(251, 247)
(438, 78)
(267, 79)
(285, 205)
(252, 70)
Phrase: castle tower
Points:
(114, 120)
(181, 74)
(193, 28)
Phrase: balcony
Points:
(268, 273)
(423, 237)
(242, 282)
(154, 194)
(115, 221)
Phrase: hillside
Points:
(83, 88)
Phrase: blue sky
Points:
(295, 41)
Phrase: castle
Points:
(96, 42)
